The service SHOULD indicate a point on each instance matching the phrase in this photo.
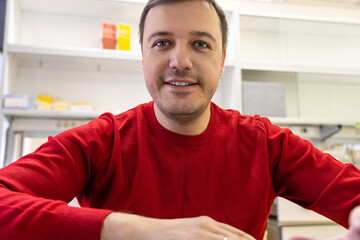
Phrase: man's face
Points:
(182, 57)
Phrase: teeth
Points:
(179, 83)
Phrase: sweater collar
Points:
(169, 136)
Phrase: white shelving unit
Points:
(53, 47)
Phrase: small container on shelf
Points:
(82, 107)
(108, 36)
(123, 37)
(49, 102)
(43, 102)
(17, 101)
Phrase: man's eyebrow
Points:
(203, 34)
(160, 33)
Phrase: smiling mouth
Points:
(181, 84)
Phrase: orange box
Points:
(108, 36)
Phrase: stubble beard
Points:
(183, 114)
(179, 109)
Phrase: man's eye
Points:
(200, 44)
(161, 43)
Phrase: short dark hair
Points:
(152, 3)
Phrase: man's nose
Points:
(181, 57)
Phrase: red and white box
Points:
(20, 101)
(108, 36)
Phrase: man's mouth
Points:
(180, 84)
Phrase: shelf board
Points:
(53, 114)
(247, 64)
(80, 59)
(312, 121)
(66, 114)
(74, 52)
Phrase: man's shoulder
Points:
(128, 118)
(235, 116)
(133, 112)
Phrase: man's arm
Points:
(131, 227)
(34, 190)
(33, 196)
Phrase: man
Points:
(176, 168)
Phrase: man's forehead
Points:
(183, 19)
(163, 2)
(175, 5)
(177, 10)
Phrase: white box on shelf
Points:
(19, 101)
(87, 107)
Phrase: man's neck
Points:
(183, 124)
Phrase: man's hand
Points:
(354, 229)
(118, 226)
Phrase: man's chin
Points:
(182, 111)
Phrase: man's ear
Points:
(223, 60)
(142, 60)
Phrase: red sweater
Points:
(232, 172)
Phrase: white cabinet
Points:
(54, 47)
(317, 61)
(293, 220)
(276, 232)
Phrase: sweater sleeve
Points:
(35, 190)
(313, 179)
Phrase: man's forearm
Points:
(119, 226)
